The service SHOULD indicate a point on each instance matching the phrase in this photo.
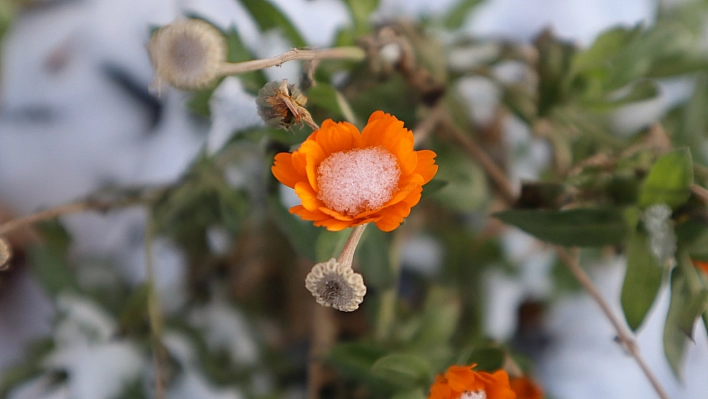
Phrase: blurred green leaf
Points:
(466, 189)
(488, 358)
(355, 358)
(410, 394)
(641, 282)
(553, 69)
(576, 227)
(693, 124)
(361, 11)
(51, 270)
(456, 16)
(325, 97)
(669, 180)
(608, 44)
(697, 304)
(675, 340)
(440, 317)
(268, 17)
(133, 317)
(330, 244)
(402, 370)
(302, 235)
(374, 259)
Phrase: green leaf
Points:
(669, 180)
(325, 97)
(330, 244)
(466, 189)
(51, 270)
(641, 282)
(410, 394)
(402, 370)
(302, 235)
(608, 44)
(374, 259)
(355, 358)
(488, 358)
(697, 304)
(440, 318)
(268, 16)
(576, 227)
(459, 12)
(360, 11)
(693, 122)
(675, 339)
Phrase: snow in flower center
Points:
(481, 394)
(351, 182)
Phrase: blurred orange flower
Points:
(462, 382)
(701, 265)
(525, 388)
(345, 178)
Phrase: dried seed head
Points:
(5, 254)
(335, 285)
(187, 54)
(282, 105)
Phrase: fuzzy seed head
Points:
(335, 285)
(187, 54)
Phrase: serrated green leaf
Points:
(669, 180)
(402, 370)
(641, 282)
(576, 227)
(675, 340)
(268, 16)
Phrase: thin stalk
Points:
(336, 53)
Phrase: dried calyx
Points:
(282, 105)
(187, 54)
(335, 284)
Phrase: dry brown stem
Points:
(338, 53)
(623, 334)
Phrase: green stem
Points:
(387, 309)
(154, 314)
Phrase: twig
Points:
(492, 169)
(625, 337)
(428, 124)
(339, 53)
(701, 192)
(51, 213)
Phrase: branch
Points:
(492, 169)
(428, 124)
(338, 53)
(625, 337)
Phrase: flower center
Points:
(351, 182)
(481, 394)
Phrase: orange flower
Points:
(461, 382)
(700, 265)
(525, 388)
(345, 178)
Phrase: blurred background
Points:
(78, 118)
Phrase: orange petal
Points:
(284, 171)
(308, 197)
(440, 389)
(426, 165)
(313, 157)
(336, 137)
(388, 132)
(462, 378)
(376, 116)
(307, 215)
(333, 224)
(335, 214)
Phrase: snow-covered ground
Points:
(67, 127)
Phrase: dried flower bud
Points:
(283, 105)
(187, 54)
(336, 285)
(5, 254)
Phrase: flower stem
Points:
(625, 337)
(154, 315)
(387, 308)
(341, 53)
(347, 255)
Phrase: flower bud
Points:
(282, 105)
